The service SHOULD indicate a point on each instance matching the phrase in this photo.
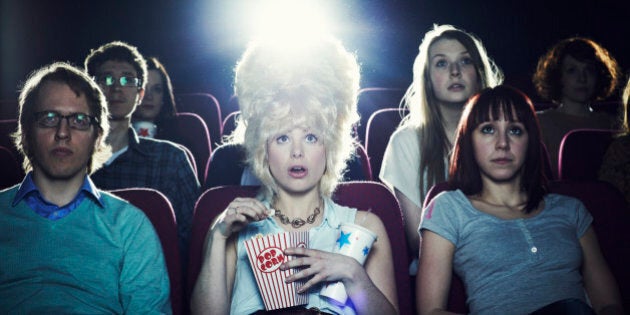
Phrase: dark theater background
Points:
(200, 41)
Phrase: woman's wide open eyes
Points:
(516, 130)
(311, 138)
(282, 139)
(308, 138)
(486, 129)
(466, 61)
(513, 130)
(440, 63)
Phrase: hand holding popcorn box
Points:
(266, 254)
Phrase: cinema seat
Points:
(190, 130)
(209, 205)
(371, 99)
(361, 154)
(376, 197)
(160, 212)
(207, 107)
(581, 153)
(380, 126)
(363, 195)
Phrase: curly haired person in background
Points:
(573, 74)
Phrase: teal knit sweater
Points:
(96, 260)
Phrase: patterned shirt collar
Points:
(28, 187)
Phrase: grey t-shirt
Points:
(513, 266)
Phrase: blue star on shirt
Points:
(366, 251)
(343, 239)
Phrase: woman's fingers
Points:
(317, 266)
(248, 207)
(299, 251)
(239, 213)
(314, 280)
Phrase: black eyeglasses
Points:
(52, 119)
(126, 81)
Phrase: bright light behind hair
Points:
(294, 19)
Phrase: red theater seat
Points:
(372, 99)
(380, 126)
(207, 107)
(361, 154)
(160, 212)
(381, 201)
(361, 195)
(189, 130)
(210, 204)
(581, 153)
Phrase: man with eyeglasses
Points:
(121, 72)
(65, 246)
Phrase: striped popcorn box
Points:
(266, 254)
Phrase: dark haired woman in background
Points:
(158, 104)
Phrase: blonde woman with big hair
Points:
(451, 66)
(298, 106)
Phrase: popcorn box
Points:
(266, 254)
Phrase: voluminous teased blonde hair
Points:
(305, 85)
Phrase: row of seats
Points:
(581, 150)
(200, 127)
(380, 111)
(381, 201)
(606, 204)
(580, 156)
(208, 109)
(584, 147)
(159, 210)
(214, 200)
